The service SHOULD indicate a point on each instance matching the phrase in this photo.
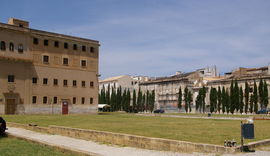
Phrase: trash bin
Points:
(248, 130)
(209, 114)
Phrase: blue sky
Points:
(158, 37)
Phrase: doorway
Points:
(10, 107)
(65, 107)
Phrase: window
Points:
(91, 100)
(34, 80)
(91, 84)
(74, 83)
(92, 49)
(56, 44)
(83, 83)
(21, 25)
(46, 42)
(45, 100)
(74, 46)
(45, 81)
(65, 83)
(83, 48)
(83, 63)
(83, 100)
(3, 45)
(11, 46)
(35, 40)
(11, 78)
(45, 59)
(66, 45)
(65, 61)
(55, 82)
(34, 99)
(74, 100)
(20, 48)
(55, 100)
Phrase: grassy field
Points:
(220, 115)
(16, 147)
(195, 130)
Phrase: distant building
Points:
(44, 72)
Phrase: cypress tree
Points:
(265, 96)
(228, 102)
(152, 101)
(134, 102)
(261, 94)
(147, 100)
(199, 100)
(251, 103)
(186, 99)
(219, 99)
(143, 102)
(203, 98)
(246, 97)
(108, 95)
(128, 96)
(232, 98)
(179, 99)
(255, 97)
(189, 100)
(223, 100)
(236, 96)
(139, 100)
(241, 102)
(211, 100)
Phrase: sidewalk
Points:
(95, 149)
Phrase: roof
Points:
(113, 78)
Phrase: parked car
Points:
(159, 111)
(263, 111)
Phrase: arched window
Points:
(20, 48)
(11, 46)
(3, 45)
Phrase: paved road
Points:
(94, 148)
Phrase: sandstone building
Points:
(44, 72)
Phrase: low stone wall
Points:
(129, 140)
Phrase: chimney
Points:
(18, 22)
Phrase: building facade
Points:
(44, 72)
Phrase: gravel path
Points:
(94, 148)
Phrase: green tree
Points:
(265, 91)
(134, 102)
(128, 97)
(255, 97)
(241, 102)
(108, 95)
(147, 100)
(236, 96)
(186, 99)
(152, 101)
(223, 100)
(251, 103)
(189, 100)
(199, 100)
(247, 89)
(261, 93)
(232, 98)
(219, 99)
(213, 99)
(228, 102)
(203, 98)
(179, 99)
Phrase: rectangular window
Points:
(11, 78)
(74, 46)
(55, 82)
(45, 100)
(65, 83)
(34, 99)
(83, 83)
(66, 45)
(45, 81)
(34, 80)
(83, 48)
(65, 61)
(83, 63)
(91, 84)
(56, 44)
(45, 59)
(35, 40)
(74, 83)
(92, 49)
(46, 42)
(74, 100)
(91, 100)
(83, 100)
(55, 100)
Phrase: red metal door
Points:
(64, 107)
